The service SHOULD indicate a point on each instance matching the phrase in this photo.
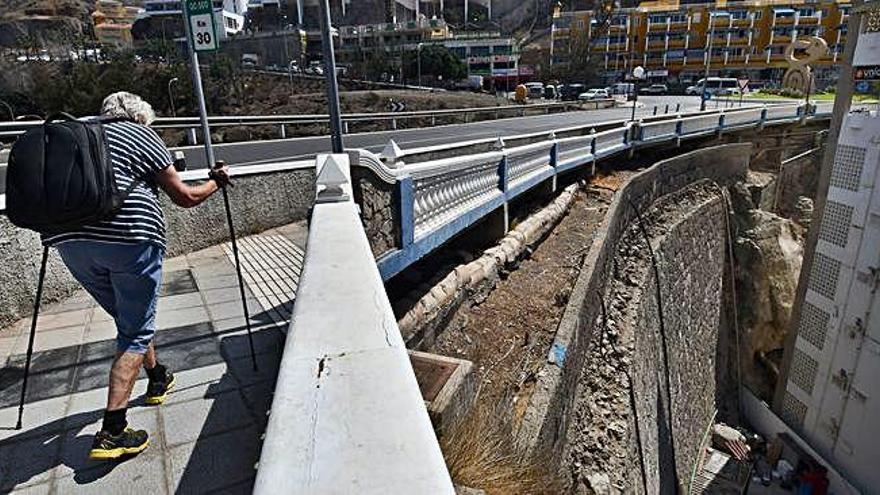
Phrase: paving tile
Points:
(70, 304)
(181, 317)
(185, 422)
(216, 296)
(200, 383)
(98, 314)
(188, 348)
(52, 339)
(28, 462)
(180, 301)
(100, 330)
(231, 309)
(177, 282)
(175, 264)
(76, 317)
(40, 418)
(76, 442)
(51, 375)
(217, 461)
(266, 340)
(218, 282)
(144, 473)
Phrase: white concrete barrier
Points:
(347, 415)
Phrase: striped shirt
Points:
(137, 153)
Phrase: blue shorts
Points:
(124, 279)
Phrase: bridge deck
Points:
(206, 437)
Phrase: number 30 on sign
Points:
(201, 25)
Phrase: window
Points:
(757, 15)
(739, 14)
(657, 18)
(501, 50)
(479, 51)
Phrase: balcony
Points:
(678, 26)
(808, 21)
(737, 41)
(741, 23)
(784, 21)
(676, 43)
(781, 40)
(660, 44)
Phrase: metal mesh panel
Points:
(836, 221)
(813, 325)
(793, 411)
(848, 164)
(803, 371)
(824, 274)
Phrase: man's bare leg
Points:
(150, 361)
(123, 374)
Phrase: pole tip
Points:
(18, 425)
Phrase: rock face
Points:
(769, 254)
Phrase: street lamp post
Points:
(419, 60)
(638, 74)
(712, 16)
(171, 96)
(330, 74)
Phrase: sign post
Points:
(743, 84)
(201, 36)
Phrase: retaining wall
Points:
(259, 202)
(544, 429)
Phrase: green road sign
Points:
(200, 15)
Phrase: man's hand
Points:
(220, 174)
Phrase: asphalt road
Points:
(255, 152)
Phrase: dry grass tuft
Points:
(480, 453)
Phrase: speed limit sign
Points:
(200, 15)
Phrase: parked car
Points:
(623, 89)
(570, 92)
(714, 86)
(594, 94)
(654, 89)
(550, 92)
(536, 89)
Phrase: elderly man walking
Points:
(118, 260)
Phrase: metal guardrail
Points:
(191, 124)
(440, 198)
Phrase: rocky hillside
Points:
(40, 23)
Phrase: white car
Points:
(594, 94)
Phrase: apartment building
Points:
(113, 21)
(164, 18)
(674, 42)
(486, 53)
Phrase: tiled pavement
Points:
(206, 437)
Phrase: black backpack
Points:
(60, 176)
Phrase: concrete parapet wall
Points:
(544, 429)
(259, 202)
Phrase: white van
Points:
(715, 86)
(623, 89)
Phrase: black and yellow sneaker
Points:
(158, 390)
(129, 442)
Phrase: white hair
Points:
(129, 106)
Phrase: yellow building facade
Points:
(675, 42)
(113, 21)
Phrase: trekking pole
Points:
(247, 316)
(30, 349)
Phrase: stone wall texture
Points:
(379, 210)
(546, 427)
(258, 202)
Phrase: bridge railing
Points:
(436, 199)
(192, 124)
